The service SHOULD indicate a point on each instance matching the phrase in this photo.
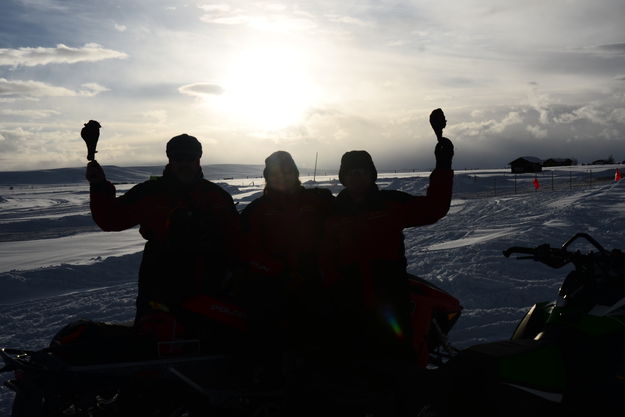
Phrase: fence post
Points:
(552, 180)
(495, 185)
(514, 183)
(570, 181)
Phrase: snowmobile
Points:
(104, 369)
(565, 358)
(98, 369)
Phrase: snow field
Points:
(55, 267)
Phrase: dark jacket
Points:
(191, 232)
(364, 264)
(282, 234)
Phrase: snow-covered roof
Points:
(532, 159)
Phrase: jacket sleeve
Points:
(113, 214)
(428, 209)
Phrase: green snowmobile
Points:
(565, 358)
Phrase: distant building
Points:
(603, 162)
(559, 162)
(608, 161)
(526, 164)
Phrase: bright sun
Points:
(268, 89)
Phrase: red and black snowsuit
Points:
(365, 267)
(282, 234)
(191, 232)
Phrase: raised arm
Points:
(111, 213)
(422, 210)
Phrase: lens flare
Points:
(391, 319)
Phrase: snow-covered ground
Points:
(56, 266)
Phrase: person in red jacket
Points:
(282, 231)
(363, 256)
(190, 224)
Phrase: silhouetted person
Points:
(364, 260)
(191, 227)
(282, 231)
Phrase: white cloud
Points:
(158, 117)
(592, 112)
(18, 138)
(31, 88)
(349, 20)
(120, 28)
(40, 147)
(398, 42)
(597, 112)
(62, 54)
(233, 20)
(268, 17)
(92, 89)
(276, 7)
(566, 118)
(537, 131)
(511, 118)
(540, 102)
(488, 127)
(212, 8)
(477, 113)
(45, 5)
(618, 115)
(32, 113)
(611, 134)
(201, 89)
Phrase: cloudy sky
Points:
(250, 77)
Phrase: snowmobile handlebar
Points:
(553, 257)
(558, 257)
(518, 249)
(13, 359)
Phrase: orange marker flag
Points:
(536, 183)
(617, 175)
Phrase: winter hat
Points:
(281, 159)
(184, 148)
(357, 160)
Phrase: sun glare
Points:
(268, 88)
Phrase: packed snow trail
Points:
(463, 252)
(84, 248)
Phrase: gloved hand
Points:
(90, 134)
(444, 152)
(94, 173)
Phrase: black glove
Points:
(90, 134)
(95, 173)
(444, 152)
